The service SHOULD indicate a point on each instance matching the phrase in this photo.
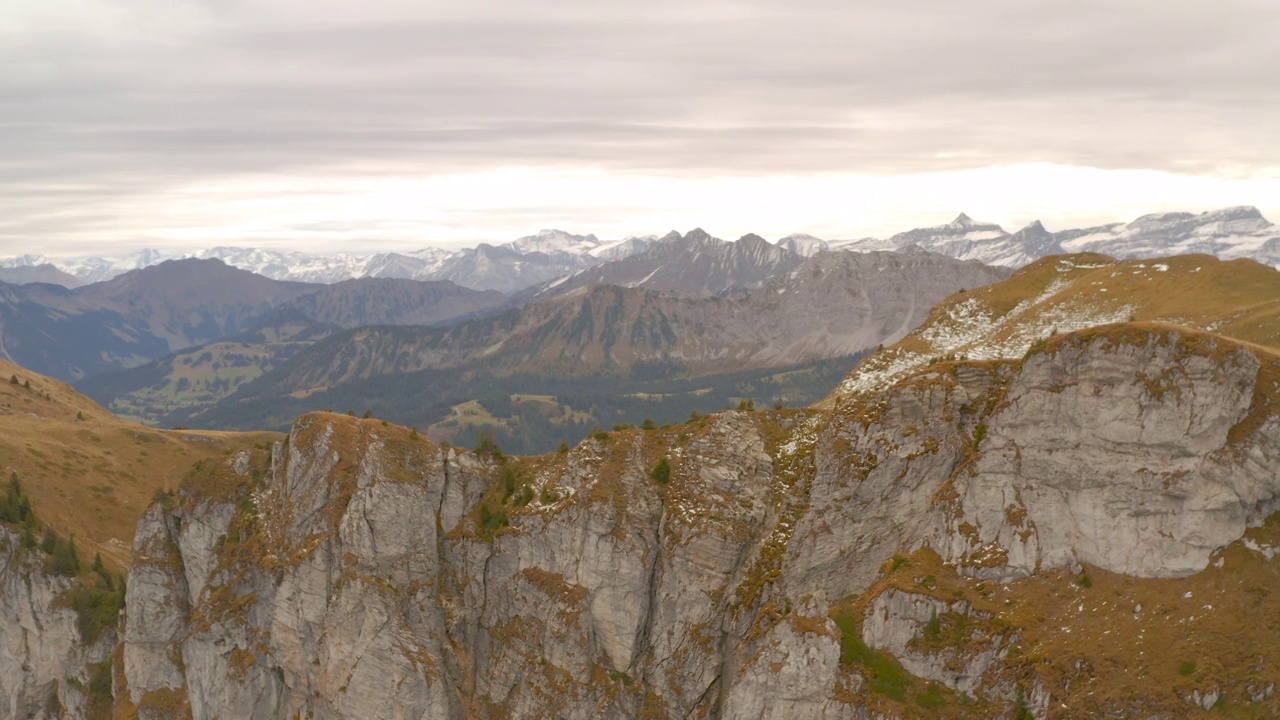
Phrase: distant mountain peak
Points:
(962, 220)
(1239, 212)
(803, 244)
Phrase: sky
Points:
(328, 125)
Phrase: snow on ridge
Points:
(646, 279)
(872, 375)
(971, 330)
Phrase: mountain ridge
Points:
(1239, 231)
(153, 312)
(832, 305)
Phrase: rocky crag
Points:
(55, 660)
(1072, 533)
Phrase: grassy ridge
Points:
(1238, 299)
(84, 470)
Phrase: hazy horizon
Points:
(116, 251)
(303, 126)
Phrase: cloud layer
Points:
(109, 108)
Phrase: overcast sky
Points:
(387, 124)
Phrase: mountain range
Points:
(504, 267)
(1056, 496)
(694, 263)
(551, 254)
(149, 313)
(660, 344)
(1229, 233)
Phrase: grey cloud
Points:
(690, 88)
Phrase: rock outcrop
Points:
(360, 571)
(46, 667)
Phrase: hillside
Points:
(148, 314)
(385, 301)
(200, 376)
(44, 327)
(204, 374)
(191, 302)
(87, 473)
(834, 305)
(133, 318)
(1239, 299)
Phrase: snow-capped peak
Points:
(803, 244)
(623, 248)
(23, 261)
(556, 241)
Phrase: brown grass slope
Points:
(88, 473)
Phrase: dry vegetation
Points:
(88, 473)
(1109, 641)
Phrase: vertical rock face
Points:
(359, 571)
(45, 668)
(1128, 465)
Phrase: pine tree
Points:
(662, 472)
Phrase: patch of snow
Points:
(804, 436)
(969, 329)
(557, 282)
(646, 279)
(871, 375)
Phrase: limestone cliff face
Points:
(360, 571)
(45, 667)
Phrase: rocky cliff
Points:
(48, 667)
(1073, 533)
